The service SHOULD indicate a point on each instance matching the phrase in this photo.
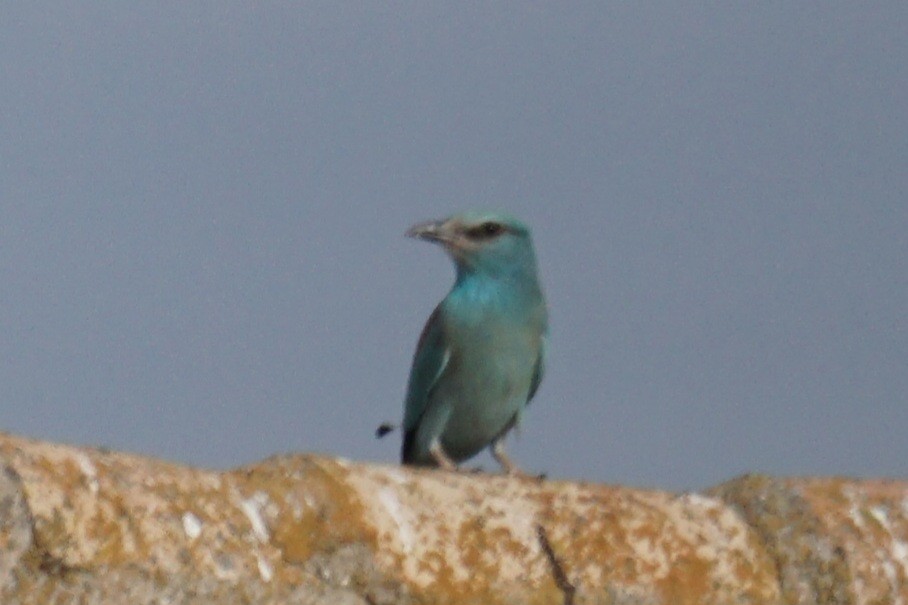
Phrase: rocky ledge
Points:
(84, 525)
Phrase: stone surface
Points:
(16, 538)
(92, 526)
(835, 540)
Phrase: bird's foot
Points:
(441, 458)
(502, 458)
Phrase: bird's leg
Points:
(440, 457)
(502, 458)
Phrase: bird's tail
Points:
(384, 428)
(408, 447)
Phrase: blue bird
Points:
(480, 357)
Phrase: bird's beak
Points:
(432, 231)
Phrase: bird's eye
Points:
(486, 230)
(491, 228)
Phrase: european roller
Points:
(480, 357)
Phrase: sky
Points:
(202, 209)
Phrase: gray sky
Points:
(202, 209)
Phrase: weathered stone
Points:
(835, 541)
(91, 526)
(16, 538)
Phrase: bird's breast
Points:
(497, 357)
(496, 334)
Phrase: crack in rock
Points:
(561, 580)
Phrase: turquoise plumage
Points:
(480, 357)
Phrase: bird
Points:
(481, 355)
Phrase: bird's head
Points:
(488, 242)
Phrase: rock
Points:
(92, 526)
(834, 540)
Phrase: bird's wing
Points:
(429, 362)
(538, 370)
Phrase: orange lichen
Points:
(317, 510)
(452, 538)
